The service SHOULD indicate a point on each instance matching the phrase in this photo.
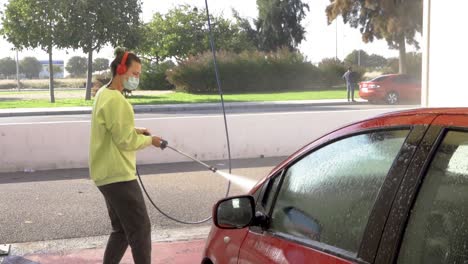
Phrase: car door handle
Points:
(227, 239)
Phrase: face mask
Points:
(131, 84)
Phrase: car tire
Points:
(392, 98)
(207, 261)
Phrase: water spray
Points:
(242, 182)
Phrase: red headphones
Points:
(122, 68)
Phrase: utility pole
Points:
(336, 39)
(17, 72)
(359, 57)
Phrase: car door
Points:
(414, 88)
(402, 86)
(429, 220)
(329, 205)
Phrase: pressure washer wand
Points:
(213, 169)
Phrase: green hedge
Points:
(246, 72)
(332, 71)
(43, 83)
(153, 76)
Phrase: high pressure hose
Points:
(218, 82)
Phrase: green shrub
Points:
(99, 80)
(153, 76)
(250, 71)
(332, 71)
(361, 71)
(413, 64)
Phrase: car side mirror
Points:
(234, 213)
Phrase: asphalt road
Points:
(59, 118)
(61, 204)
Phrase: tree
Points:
(376, 61)
(7, 67)
(278, 24)
(395, 21)
(77, 66)
(100, 64)
(182, 32)
(31, 67)
(361, 58)
(35, 24)
(414, 64)
(57, 69)
(91, 24)
(357, 57)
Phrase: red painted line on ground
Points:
(181, 252)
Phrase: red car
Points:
(393, 189)
(391, 88)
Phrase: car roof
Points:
(428, 111)
(392, 75)
(389, 75)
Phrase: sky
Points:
(322, 40)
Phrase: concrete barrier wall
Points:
(61, 145)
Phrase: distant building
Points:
(45, 69)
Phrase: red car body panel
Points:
(258, 248)
(245, 246)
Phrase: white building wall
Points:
(445, 60)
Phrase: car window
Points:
(328, 195)
(437, 231)
(379, 79)
(269, 196)
(397, 79)
(413, 80)
(256, 194)
(402, 79)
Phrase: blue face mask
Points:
(132, 83)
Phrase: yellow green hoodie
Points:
(114, 140)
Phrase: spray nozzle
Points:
(213, 169)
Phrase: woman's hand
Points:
(159, 142)
(143, 131)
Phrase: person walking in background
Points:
(350, 78)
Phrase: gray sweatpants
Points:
(130, 223)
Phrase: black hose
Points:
(164, 213)
(218, 82)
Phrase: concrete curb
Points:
(63, 245)
(176, 108)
